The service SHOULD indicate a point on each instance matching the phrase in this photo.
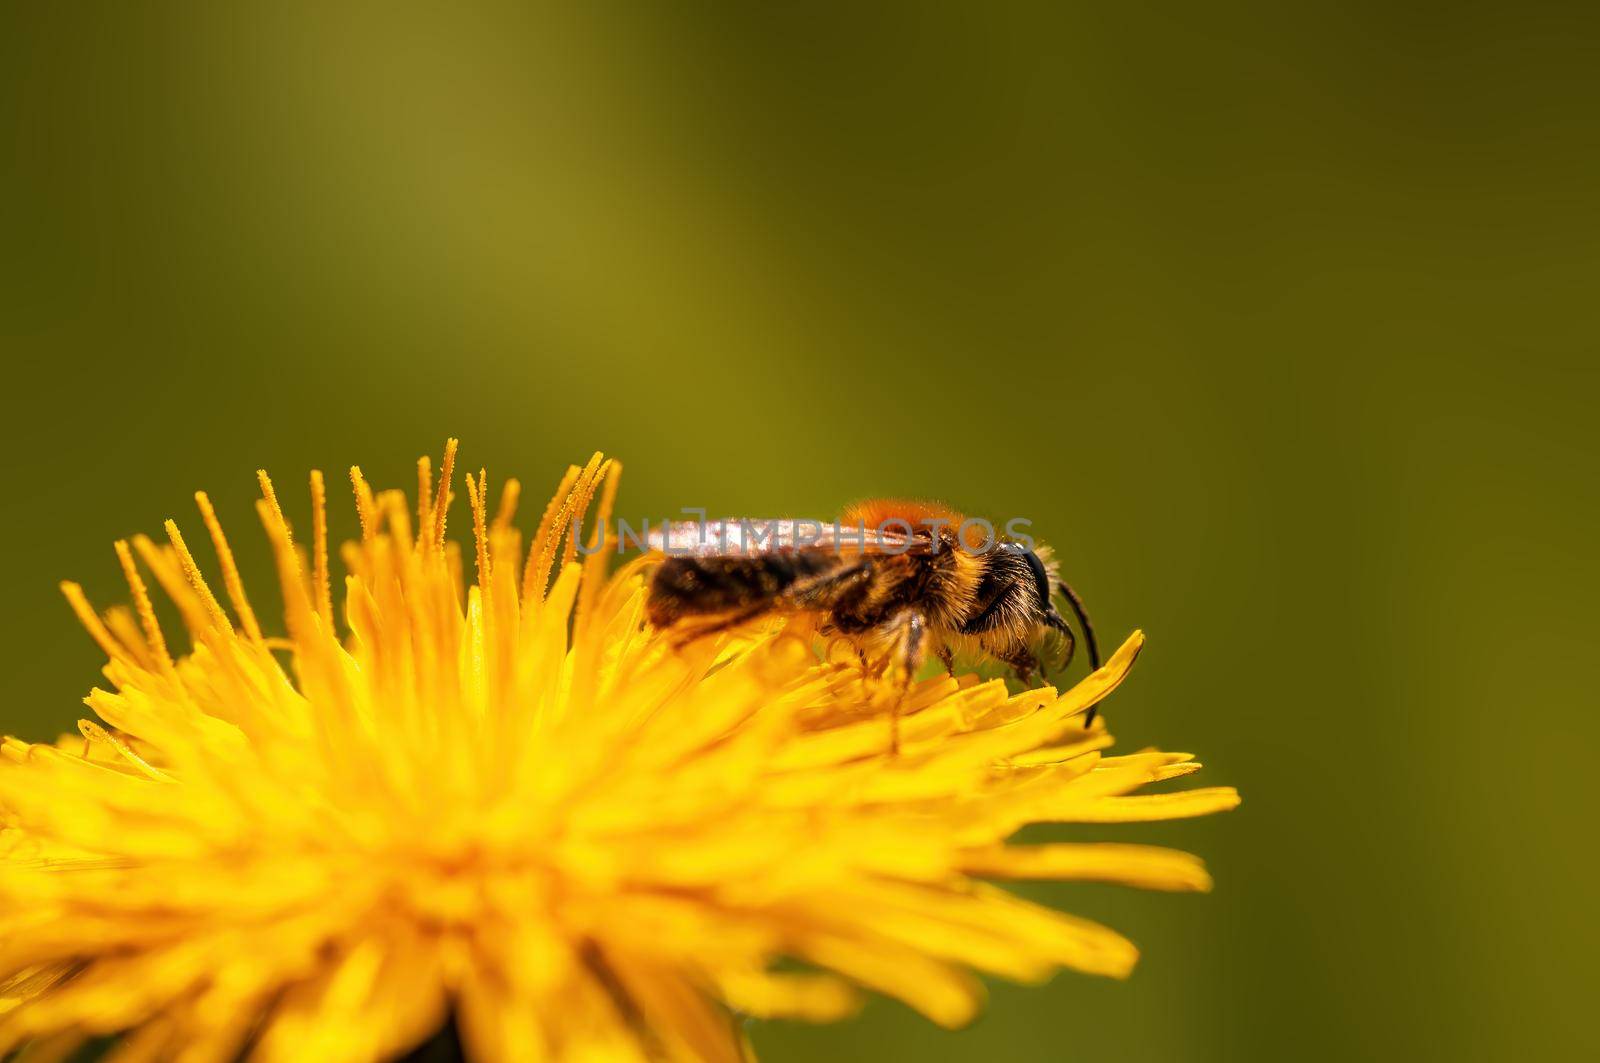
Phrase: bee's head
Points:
(1036, 569)
(1046, 586)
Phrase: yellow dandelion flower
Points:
(504, 801)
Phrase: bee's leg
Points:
(948, 659)
(1024, 663)
(687, 633)
(907, 659)
(1070, 643)
(819, 592)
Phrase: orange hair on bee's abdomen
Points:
(876, 512)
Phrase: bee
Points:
(898, 580)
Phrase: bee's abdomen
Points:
(702, 586)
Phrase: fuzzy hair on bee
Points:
(897, 579)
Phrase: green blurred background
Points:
(1278, 320)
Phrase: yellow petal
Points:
(1146, 866)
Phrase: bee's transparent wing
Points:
(749, 536)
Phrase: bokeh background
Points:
(1278, 320)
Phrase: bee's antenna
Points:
(1083, 621)
(1066, 591)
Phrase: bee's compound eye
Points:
(1041, 578)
